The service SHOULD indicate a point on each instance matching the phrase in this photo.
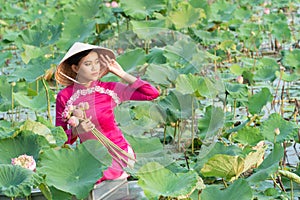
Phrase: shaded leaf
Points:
(158, 181)
(239, 190)
(16, 181)
(75, 171)
(259, 100)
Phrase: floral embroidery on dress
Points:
(87, 91)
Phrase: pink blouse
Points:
(102, 97)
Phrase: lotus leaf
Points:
(75, 171)
(225, 166)
(16, 181)
(143, 8)
(149, 29)
(239, 190)
(187, 16)
(25, 142)
(248, 135)
(259, 100)
(158, 181)
(268, 166)
(287, 129)
(211, 122)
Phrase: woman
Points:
(80, 71)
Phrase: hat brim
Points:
(75, 49)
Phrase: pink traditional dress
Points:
(103, 97)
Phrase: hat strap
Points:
(68, 77)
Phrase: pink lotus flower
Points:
(114, 4)
(73, 121)
(78, 113)
(107, 4)
(24, 161)
(83, 105)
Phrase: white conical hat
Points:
(77, 47)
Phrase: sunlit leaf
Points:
(239, 190)
(37, 103)
(224, 166)
(186, 16)
(286, 76)
(158, 181)
(75, 171)
(254, 158)
(259, 100)
(38, 128)
(287, 130)
(291, 59)
(268, 166)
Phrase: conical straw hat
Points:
(64, 69)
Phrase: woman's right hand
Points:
(84, 126)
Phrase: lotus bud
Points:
(240, 79)
(73, 121)
(13, 84)
(267, 11)
(277, 131)
(78, 113)
(114, 4)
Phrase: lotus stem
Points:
(48, 100)
(113, 148)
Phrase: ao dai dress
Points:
(103, 97)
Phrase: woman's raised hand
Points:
(112, 65)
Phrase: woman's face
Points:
(88, 68)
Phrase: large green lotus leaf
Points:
(221, 11)
(7, 130)
(186, 16)
(248, 135)
(131, 59)
(267, 68)
(37, 103)
(291, 59)
(259, 100)
(142, 8)
(239, 190)
(208, 151)
(16, 181)
(35, 69)
(176, 106)
(286, 76)
(72, 33)
(147, 109)
(31, 52)
(38, 128)
(161, 74)
(224, 166)
(269, 165)
(148, 150)
(208, 87)
(236, 90)
(87, 8)
(281, 31)
(155, 56)
(75, 171)
(148, 29)
(24, 143)
(287, 129)
(211, 122)
(158, 181)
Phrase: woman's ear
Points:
(75, 68)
